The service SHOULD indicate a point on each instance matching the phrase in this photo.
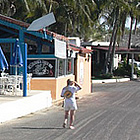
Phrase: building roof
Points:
(119, 50)
(96, 43)
(104, 46)
(126, 50)
(14, 21)
(80, 49)
(26, 25)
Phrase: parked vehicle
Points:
(136, 63)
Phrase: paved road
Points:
(112, 112)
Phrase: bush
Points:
(137, 72)
(123, 70)
(104, 76)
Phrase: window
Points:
(41, 67)
(45, 49)
(61, 67)
(32, 49)
(50, 67)
(69, 66)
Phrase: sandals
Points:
(64, 125)
(72, 127)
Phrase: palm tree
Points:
(133, 15)
(114, 11)
(137, 14)
(77, 18)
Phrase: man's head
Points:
(69, 82)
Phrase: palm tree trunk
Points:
(114, 41)
(44, 6)
(109, 51)
(27, 6)
(110, 54)
(113, 50)
(135, 26)
(130, 33)
(50, 8)
(129, 40)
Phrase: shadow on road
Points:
(38, 128)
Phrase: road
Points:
(112, 112)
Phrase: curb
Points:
(24, 106)
(110, 80)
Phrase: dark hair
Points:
(68, 81)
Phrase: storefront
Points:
(51, 73)
(51, 60)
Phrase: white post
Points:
(16, 82)
(132, 74)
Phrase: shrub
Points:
(137, 71)
(104, 76)
(123, 70)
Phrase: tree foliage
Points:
(74, 17)
(80, 18)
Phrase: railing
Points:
(13, 84)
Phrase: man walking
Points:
(70, 104)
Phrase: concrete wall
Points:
(22, 106)
(55, 85)
(83, 74)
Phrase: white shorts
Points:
(70, 106)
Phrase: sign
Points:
(42, 22)
(60, 49)
(81, 72)
(41, 68)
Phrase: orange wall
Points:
(55, 85)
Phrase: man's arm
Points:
(76, 84)
(62, 93)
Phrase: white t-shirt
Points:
(73, 90)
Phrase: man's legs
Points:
(72, 113)
(66, 118)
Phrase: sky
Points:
(128, 21)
